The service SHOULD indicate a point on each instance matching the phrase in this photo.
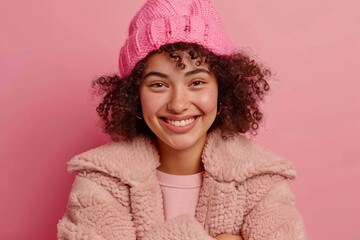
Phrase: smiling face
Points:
(179, 105)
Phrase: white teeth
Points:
(181, 123)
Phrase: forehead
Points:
(178, 61)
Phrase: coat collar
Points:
(237, 158)
(134, 162)
(131, 161)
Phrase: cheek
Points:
(208, 101)
(145, 104)
(150, 104)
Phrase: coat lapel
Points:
(228, 163)
(135, 163)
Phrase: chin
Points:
(184, 142)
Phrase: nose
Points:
(179, 101)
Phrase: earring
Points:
(139, 113)
(219, 109)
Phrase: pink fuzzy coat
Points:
(245, 191)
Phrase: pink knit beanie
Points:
(161, 22)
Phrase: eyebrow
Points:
(189, 73)
(196, 71)
(156, 74)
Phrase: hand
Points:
(227, 236)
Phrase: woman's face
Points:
(179, 105)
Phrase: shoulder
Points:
(131, 161)
(237, 159)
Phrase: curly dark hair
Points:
(242, 84)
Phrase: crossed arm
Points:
(96, 214)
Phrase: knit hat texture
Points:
(161, 22)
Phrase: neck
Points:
(181, 162)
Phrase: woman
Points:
(180, 166)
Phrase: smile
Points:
(181, 123)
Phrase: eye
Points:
(157, 85)
(197, 83)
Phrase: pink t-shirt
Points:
(180, 193)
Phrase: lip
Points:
(178, 129)
(178, 118)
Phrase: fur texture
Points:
(245, 192)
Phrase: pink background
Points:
(51, 50)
